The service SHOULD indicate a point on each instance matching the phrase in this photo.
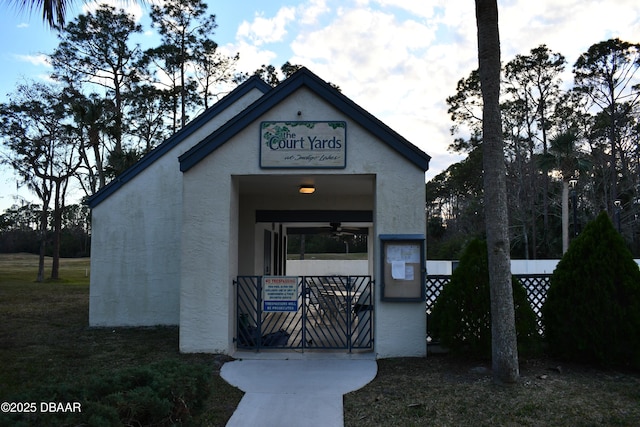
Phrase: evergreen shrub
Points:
(592, 310)
(461, 316)
(165, 393)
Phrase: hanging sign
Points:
(280, 293)
(303, 145)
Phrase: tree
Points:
(118, 162)
(91, 121)
(54, 12)
(567, 159)
(25, 217)
(150, 106)
(503, 333)
(22, 120)
(461, 316)
(94, 51)
(76, 230)
(535, 80)
(606, 75)
(163, 71)
(592, 309)
(185, 29)
(19, 229)
(465, 109)
(270, 75)
(42, 152)
(530, 100)
(533, 85)
(535, 106)
(454, 206)
(211, 68)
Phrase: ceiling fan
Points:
(334, 229)
(337, 229)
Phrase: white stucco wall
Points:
(400, 326)
(136, 235)
(205, 298)
(135, 252)
(215, 215)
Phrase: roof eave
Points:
(168, 144)
(303, 77)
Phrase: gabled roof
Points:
(303, 78)
(166, 146)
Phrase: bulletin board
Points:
(403, 267)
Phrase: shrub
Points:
(461, 317)
(161, 394)
(592, 310)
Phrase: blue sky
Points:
(398, 59)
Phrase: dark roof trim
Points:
(303, 77)
(313, 216)
(167, 145)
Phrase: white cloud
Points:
(568, 27)
(251, 56)
(39, 60)
(425, 9)
(310, 12)
(264, 30)
(394, 68)
(401, 59)
(365, 44)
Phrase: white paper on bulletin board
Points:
(407, 253)
(398, 270)
(408, 272)
(402, 271)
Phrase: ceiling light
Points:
(307, 189)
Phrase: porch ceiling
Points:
(288, 185)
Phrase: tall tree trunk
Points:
(503, 332)
(43, 244)
(94, 139)
(565, 216)
(545, 197)
(614, 149)
(57, 226)
(183, 90)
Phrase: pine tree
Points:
(592, 310)
(461, 317)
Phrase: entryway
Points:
(314, 312)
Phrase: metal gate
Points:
(332, 312)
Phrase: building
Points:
(174, 235)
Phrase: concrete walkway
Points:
(293, 393)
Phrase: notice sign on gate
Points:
(280, 293)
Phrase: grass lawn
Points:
(48, 353)
(46, 342)
(444, 391)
